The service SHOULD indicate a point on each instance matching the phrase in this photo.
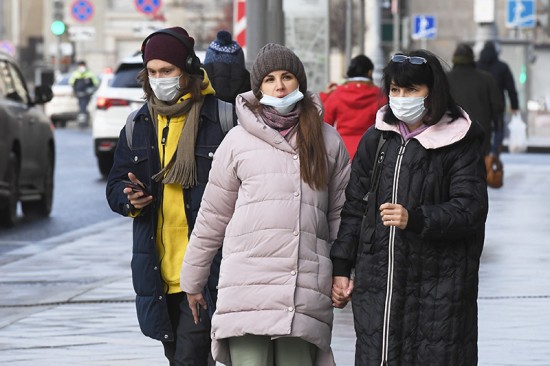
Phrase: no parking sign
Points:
(148, 6)
(82, 10)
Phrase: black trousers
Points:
(191, 346)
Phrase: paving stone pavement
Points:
(69, 300)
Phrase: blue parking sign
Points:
(520, 14)
(424, 27)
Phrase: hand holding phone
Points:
(136, 187)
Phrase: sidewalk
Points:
(69, 300)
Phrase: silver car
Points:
(27, 146)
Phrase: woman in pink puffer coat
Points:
(274, 197)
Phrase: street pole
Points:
(396, 21)
(373, 37)
(57, 65)
(255, 28)
(362, 27)
(16, 25)
(275, 22)
(349, 26)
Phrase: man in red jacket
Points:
(352, 106)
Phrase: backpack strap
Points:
(130, 127)
(226, 115)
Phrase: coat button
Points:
(156, 268)
(295, 233)
(136, 158)
(295, 157)
(210, 154)
(166, 336)
(290, 308)
(296, 194)
(160, 297)
(293, 273)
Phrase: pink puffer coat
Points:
(276, 272)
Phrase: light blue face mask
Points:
(285, 104)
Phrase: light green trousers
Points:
(254, 350)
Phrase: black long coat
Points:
(415, 296)
(477, 92)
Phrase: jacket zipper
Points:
(391, 248)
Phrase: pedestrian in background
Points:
(274, 198)
(224, 63)
(413, 224)
(351, 107)
(175, 135)
(489, 61)
(84, 84)
(477, 92)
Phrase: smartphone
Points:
(136, 187)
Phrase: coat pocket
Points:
(204, 156)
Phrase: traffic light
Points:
(58, 26)
(58, 8)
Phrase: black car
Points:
(27, 146)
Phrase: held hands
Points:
(137, 198)
(394, 214)
(196, 301)
(342, 287)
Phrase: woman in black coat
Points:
(414, 242)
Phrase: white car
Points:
(64, 106)
(114, 102)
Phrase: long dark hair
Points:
(405, 74)
(190, 83)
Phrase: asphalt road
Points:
(79, 193)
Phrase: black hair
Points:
(360, 66)
(405, 74)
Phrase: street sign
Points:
(81, 33)
(7, 47)
(149, 7)
(424, 27)
(82, 10)
(520, 14)
(143, 29)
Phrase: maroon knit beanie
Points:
(165, 47)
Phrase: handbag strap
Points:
(370, 197)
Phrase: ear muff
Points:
(192, 62)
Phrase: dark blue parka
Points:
(143, 160)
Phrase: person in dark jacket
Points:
(476, 91)
(489, 61)
(351, 107)
(225, 66)
(416, 252)
(175, 135)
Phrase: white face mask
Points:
(408, 109)
(285, 104)
(165, 89)
(82, 69)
